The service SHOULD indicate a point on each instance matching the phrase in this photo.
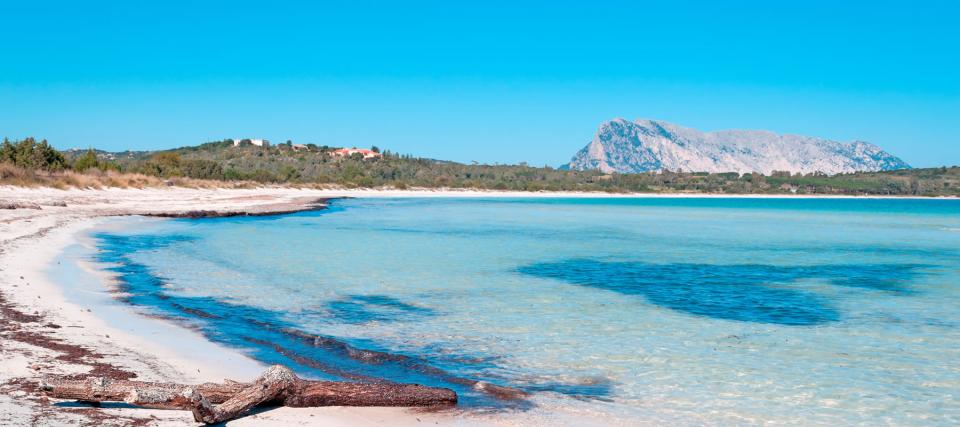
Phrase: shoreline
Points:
(188, 353)
(15, 196)
(47, 332)
(60, 317)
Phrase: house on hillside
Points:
(257, 142)
(347, 152)
(788, 187)
(299, 147)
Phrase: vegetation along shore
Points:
(242, 164)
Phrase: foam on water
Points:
(716, 311)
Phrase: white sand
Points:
(32, 242)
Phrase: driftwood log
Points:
(215, 402)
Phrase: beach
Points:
(47, 334)
(61, 314)
(479, 215)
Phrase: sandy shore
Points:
(45, 332)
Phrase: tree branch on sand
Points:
(217, 402)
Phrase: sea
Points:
(605, 311)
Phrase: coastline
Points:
(189, 355)
(60, 319)
(38, 197)
(50, 329)
(68, 325)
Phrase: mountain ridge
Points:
(646, 145)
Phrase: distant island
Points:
(232, 162)
(652, 145)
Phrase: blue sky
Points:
(491, 82)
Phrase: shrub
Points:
(32, 155)
(90, 160)
(202, 169)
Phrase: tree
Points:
(7, 152)
(32, 155)
(201, 169)
(289, 173)
(165, 164)
(86, 161)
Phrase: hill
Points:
(221, 161)
(650, 145)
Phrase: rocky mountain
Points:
(651, 145)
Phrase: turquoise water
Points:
(691, 311)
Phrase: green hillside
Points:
(311, 164)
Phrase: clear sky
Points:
(491, 82)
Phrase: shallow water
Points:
(706, 311)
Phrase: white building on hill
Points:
(257, 142)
